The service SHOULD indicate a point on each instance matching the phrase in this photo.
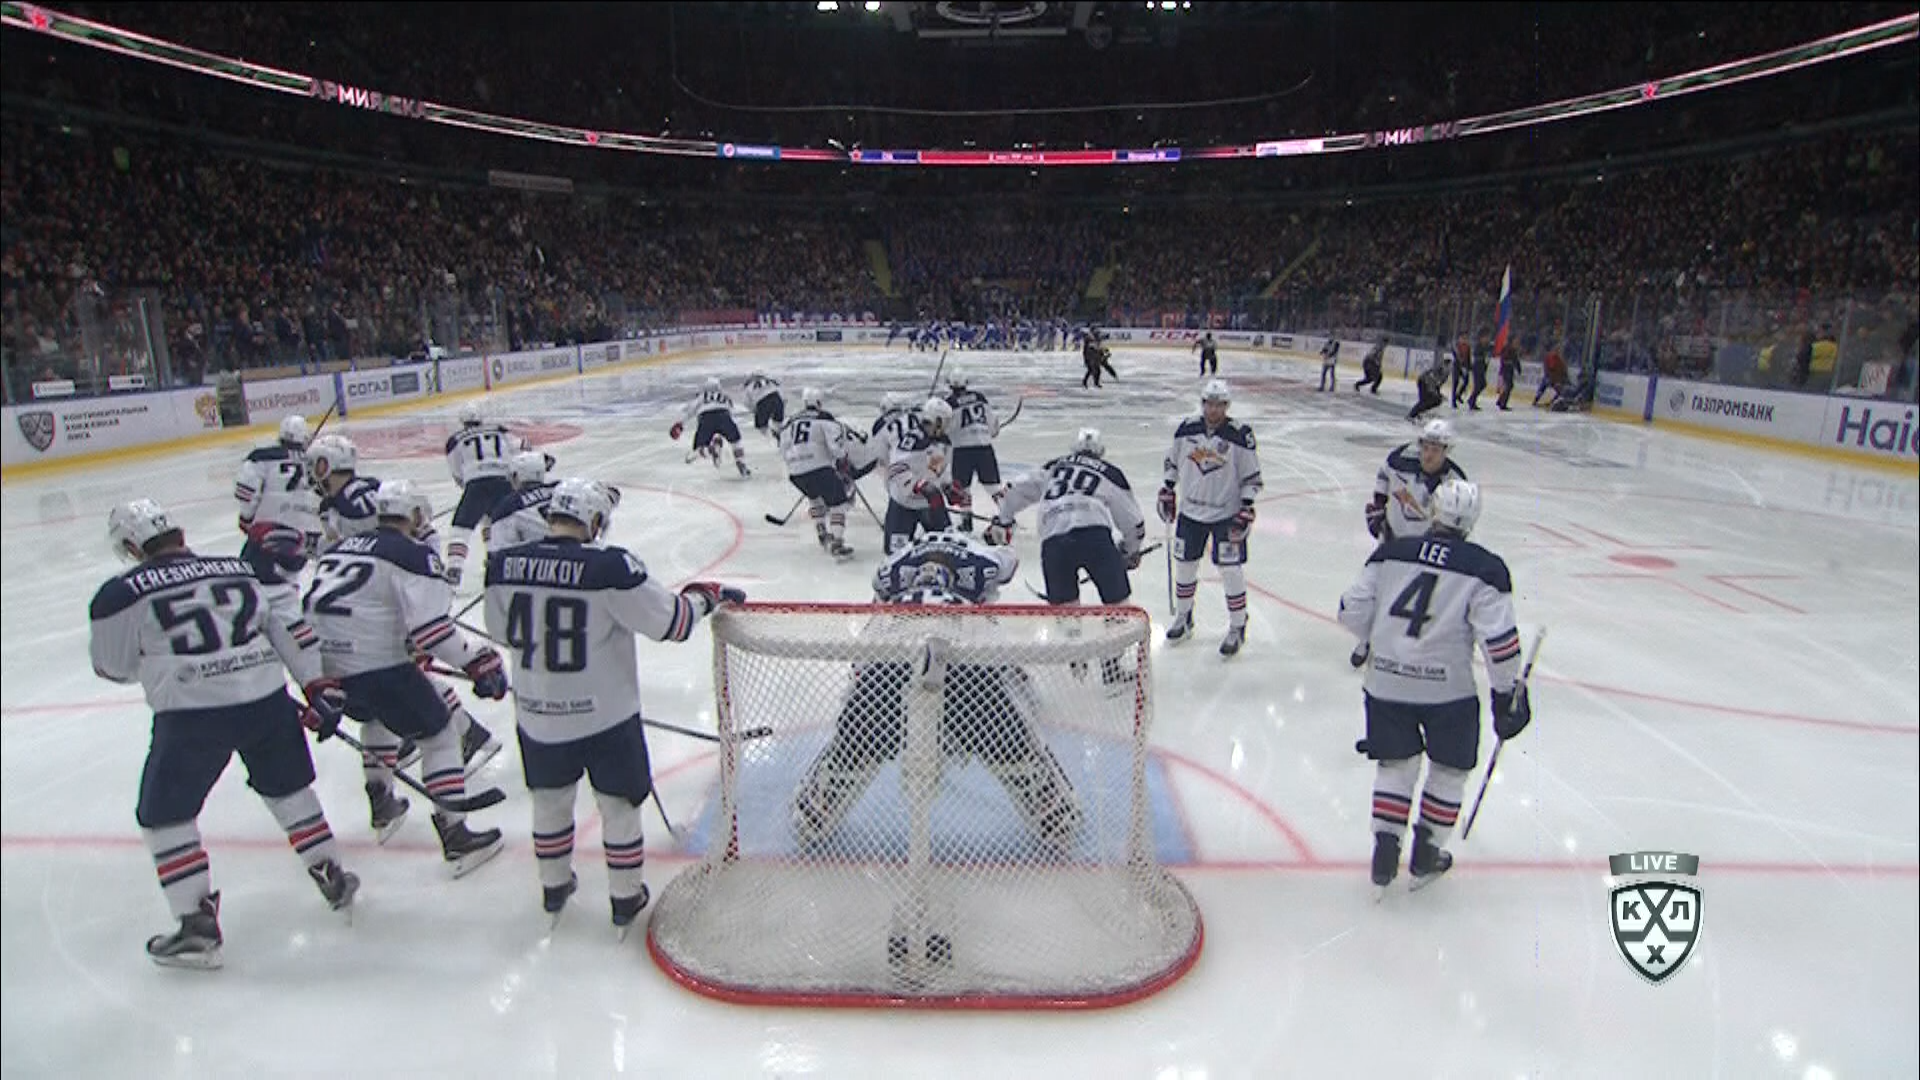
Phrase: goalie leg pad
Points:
(1042, 793)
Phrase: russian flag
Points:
(1506, 312)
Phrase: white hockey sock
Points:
(441, 769)
(626, 848)
(382, 753)
(182, 865)
(837, 522)
(1186, 581)
(458, 541)
(461, 719)
(1440, 801)
(817, 510)
(739, 452)
(553, 834)
(306, 825)
(1393, 783)
(1234, 580)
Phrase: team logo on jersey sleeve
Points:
(1655, 919)
(37, 428)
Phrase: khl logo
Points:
(1656, 923)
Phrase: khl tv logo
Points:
(1655, 919)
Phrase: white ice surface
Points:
(1731, 672)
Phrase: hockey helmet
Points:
(1215, 391)
(587, 502)
(1088, 442)
(294, 432)
(401, 499)
(957, 379)
(936, 413)
(331, 454)
(469, 415)
(712, 386)
(1438, 432)
(528, 467)
(894, 400)
(132, 526)
(1456, 506)
(811, 398)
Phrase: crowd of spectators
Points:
(992, 261)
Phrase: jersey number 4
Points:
(561, 637)
(1413, 602)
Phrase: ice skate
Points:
(553, 898)
(337, 886)
(465, 850)
(1360, 653)
(196, 944)
(477, 747)
(626, 909)
(388, 811)
(1181, 630)
(1236, 637)
(1386, 862)
(1429, 861)
(841, 552)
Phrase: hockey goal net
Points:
(929, 806)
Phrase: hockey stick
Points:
(322, 425)
(1168, 543)
(706, 736)
(470, 605)
(869, 506)
(934, 386)
(1520, 687)
(465, 805)
(788, 516)
(1015, 415)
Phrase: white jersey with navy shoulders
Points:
(199, 633)
(482, 450)
(1076, 492)
(709, 401)
(272, 487)
(520, 518)
(1217, 469)
(377, 597)
(812, 440)
(891, 427)
(960, 570)
(760, 388)
(350, 511)
(1421, 602)
(974, 421)
(567, 613)
(920, 462)
(1408, 490)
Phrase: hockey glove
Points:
(453, 574)
(1133, 560)
(1377, 520)
(326, 703)
(1512, 712)
(714, 594)
(960, 498)
(551, 461)
(998, 533)
(489, 677)
(674, 431)
(1242, 523)
(1168, 505)
(936, 497)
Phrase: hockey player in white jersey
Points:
(920, 479)
(1216, 466)
(279, 511)
(569, 611)
(817, 448)
(769, 407)
(1085, 503)
(975, 426)
(1446, 594)
(521, 518)
(212, 646)
(346, 497)
(376, 599)
(477, 455)
(712, 416)
(1403, 491)
(895, 420)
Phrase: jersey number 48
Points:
(558, 637)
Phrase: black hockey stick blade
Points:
(706, 736)
(465, 805)
(788, 516)
(1015, 414)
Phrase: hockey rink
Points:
(1732, 672)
